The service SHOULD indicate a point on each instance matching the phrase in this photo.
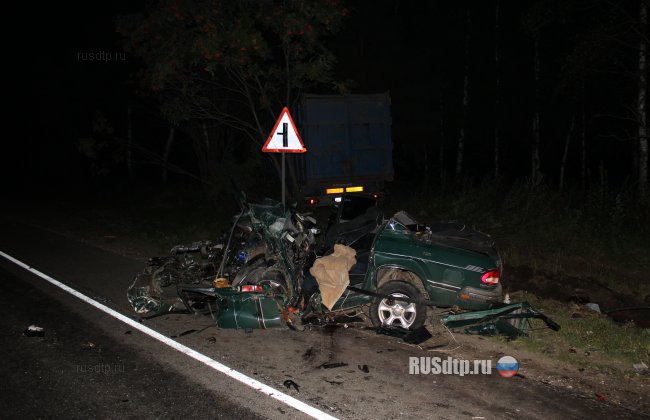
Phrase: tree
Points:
(223, 69)
(536, 173)
(616, 42)
(566, 152)
(497, 89)
(460, 151)
(642, 90)
(537, 17)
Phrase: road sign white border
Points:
(265, 148)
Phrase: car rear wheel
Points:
(389, 312)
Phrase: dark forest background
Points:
(546, 94)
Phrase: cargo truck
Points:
(349, 146)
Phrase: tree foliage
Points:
(224, 66)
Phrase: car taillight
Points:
(491, 277)
(251, 288)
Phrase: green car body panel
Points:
(445, 271)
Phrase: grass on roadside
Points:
(586, 338)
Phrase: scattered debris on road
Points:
(364, 368)
(333, 365)
(289, 384)
(398, 332)
(88, 345)
(333, 382)
(184, 333)
(308, 354)
(640, 368)
(34, 331)
(511, 320)
(417, 336)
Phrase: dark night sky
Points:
(56, 94)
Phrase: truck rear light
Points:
(491, 277)
(334, 191)
(375, 196)
(353, 189)
(313, 201)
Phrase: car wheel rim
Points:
(394, 313)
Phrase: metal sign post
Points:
(283, 182)
(289, 141)
(285, 144)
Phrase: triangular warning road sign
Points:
(284, 138)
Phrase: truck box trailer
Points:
(349, 145)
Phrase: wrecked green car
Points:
(258, 277)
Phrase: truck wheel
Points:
(394, 313)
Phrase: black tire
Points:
(412, 315)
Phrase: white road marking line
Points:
(253, 383)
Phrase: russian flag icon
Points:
(507, 366)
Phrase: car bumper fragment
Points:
(510, 319)
(474, 294)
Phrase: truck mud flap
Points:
(509, 319)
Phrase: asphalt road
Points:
(76, 370)
(125, 373)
